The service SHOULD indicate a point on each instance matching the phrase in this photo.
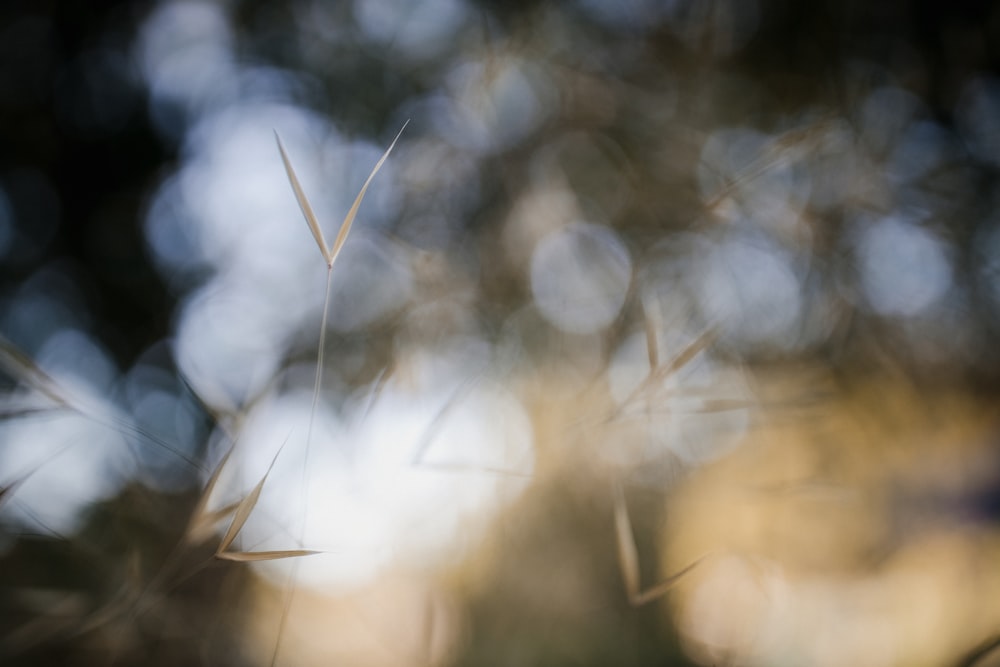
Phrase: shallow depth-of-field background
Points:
(666, 334)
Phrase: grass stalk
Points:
(330, 255)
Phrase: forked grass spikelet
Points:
(330, 256)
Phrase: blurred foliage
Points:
(814, 182)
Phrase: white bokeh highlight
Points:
(904, 268)
(580, 276)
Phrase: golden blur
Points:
(844, 534)
(843, 528)
(398, 620)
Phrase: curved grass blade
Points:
(241, 515)
(255, 556)
(660, 373)
(664, 586)
(650, 323)
(345, 226)
(245, 508)
(7, 491)
(982, 651)
(628, 558)
(628, 554)
(201, 523)
(19, 366)
(300, 196)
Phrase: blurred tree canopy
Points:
(86, 140)
(814, 181)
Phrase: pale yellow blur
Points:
(843, 533)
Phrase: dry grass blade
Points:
(628, 559)
(200, 520)
(628, 555)
(17, 407)
(100, 411)
(18, 365)
(245, 508)
(650, 323)
(978, 654)
(652, 347)
(663, 587)
(203, 525)
(785, 148)
(330, 255)
(255, 556)
(6, 492)
(307, 211)
(345, 226)
(689, 353)
(241, 515)
(659, 374)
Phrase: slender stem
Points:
(319, 363)
(294, 575)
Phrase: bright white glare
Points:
(492, 105)
(417, 30)
(904, 268)
(580, 276)
(414, 478)
(978, 116)
(750, 289)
